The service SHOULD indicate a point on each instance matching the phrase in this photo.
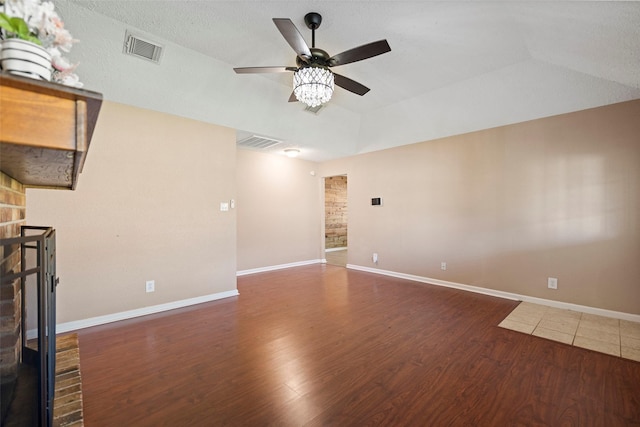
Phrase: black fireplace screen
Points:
(38, 283)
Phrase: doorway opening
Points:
(335, 220)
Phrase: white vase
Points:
(26, 59)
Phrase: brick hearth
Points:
(67, 408)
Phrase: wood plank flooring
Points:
(321, 345)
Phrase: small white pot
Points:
(25, 58)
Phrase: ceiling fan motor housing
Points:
(319, 57)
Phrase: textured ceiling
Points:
(454, 67)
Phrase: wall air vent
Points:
(141, 48)
(258, 142)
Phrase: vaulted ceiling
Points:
(454, 67)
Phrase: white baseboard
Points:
(501, 294)
(278, 267)
(123, 315)
(101, 320)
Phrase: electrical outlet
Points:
(151, 286)
(443, 265)
(374, 258)
(552, 283)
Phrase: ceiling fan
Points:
(313, 81)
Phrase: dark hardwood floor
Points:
(322, 345)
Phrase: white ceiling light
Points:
(292, 152)
(313, 85)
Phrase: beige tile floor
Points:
(603, 334)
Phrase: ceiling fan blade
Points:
(359, 53)
(350, 85)
(293, 98)
(293, 37)
(253, 70)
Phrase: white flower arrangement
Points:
(37, 21)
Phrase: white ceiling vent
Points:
(258, 142)
(142, 48)
(314, 110)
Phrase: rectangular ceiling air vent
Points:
(136, 46)
(314, 110)
(258, 142)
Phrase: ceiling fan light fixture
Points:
(313, 85)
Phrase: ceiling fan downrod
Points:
(313, 21)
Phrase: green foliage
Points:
(17, 28)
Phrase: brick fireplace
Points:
(45, 132)
(12, 217)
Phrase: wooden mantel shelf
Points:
(45, 131)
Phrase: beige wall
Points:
(507, 208)
(279, 208)
(146, 208)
